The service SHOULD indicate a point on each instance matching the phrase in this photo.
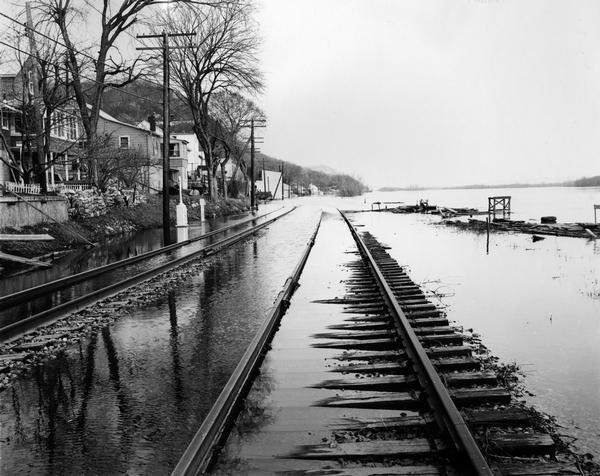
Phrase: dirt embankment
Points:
(118, 220)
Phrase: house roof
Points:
(159, 132)
(5, 105)
(107, 117)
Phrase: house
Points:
(16, 92)
(196, 163)
(314, 190)
(144, 143)
(178, 154)
(271, 183)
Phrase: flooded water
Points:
(131, 398)
(536, 304)
(34, 306)
(109, 251)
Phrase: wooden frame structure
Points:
(499, 204)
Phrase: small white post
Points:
(181, 209)
(202, 205)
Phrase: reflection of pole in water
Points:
(88, 380)
(178, 386)
(123, 400)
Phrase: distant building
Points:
(178, 155)
(314, 190)
(196, 162)
(271, 182)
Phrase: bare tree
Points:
(221, 57)
(46, 61)
(127, 168)
(233, 112)
(109, 68)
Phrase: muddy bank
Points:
(120, 220)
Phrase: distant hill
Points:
(582, 182)
(342, 184)
(587, 182)
(138, 100)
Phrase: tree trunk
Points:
(224, 181)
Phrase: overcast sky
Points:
(431, 93)
(434, 92)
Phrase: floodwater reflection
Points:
(130, 398)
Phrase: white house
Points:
(271, 182)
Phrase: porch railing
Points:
(68, 186)
(25, 188)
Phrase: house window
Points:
(5, 120)
(30, 83)
(71, 128)
(174, 150)
(59, 124)
(124, 142)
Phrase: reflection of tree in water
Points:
(43, 406)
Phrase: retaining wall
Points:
(15, 213)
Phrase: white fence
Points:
(27, 188)
(69, 186)
(35, 189)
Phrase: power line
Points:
(63, 68)
(64, 45)
(77, 52)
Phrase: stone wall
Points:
(92, 203)
(15, 213)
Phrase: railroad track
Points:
(397, 354)
(76, 303)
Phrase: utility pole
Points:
(252, 191)
(39, 165)
(166, 125)
(282, 184)
(254, 123)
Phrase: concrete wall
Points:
(15, 213)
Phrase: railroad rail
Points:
(45, 317)
(205, 444)
(26, 295)
(399, 353)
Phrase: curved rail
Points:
(201, 451)
(30, 323)
(26, 295)
(448, 418)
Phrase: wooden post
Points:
(487, 246)
(166, 140)
(252, 191)
(40, 162)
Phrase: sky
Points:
(434, 93)
(428, 92)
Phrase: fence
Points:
(35, 189)
(68, 186)
(26, 188)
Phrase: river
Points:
(130, 398)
